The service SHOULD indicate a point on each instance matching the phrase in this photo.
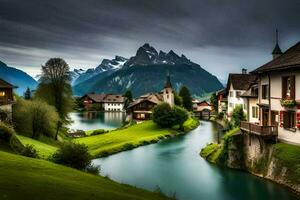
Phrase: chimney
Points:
(244, 71)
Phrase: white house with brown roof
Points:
(106, 102)
(238, 84)
(279, 93)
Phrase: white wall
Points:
(114, 106)
(234, 100)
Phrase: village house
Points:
(222, 100)
(279, 96)
(105, 102)
(6, 100)
(251, 99)
(141, 108)
(237, 85)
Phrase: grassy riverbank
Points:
(128, 138)
(27, 178)
(214, 152)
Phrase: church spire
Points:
(168, 82)
(277, 51)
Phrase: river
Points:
(176, 167)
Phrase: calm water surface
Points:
(96, 120)
(175, 166)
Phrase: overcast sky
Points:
(221, 35)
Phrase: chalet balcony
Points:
(264, 131)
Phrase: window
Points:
(265, 91)
(231, 105)
(231, 93)
(288, 87)
(2, 93)
(289, 119)
(238, 94)
(255, 112)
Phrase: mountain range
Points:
(17, 78)
(145, 72)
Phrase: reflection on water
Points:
(175, 166)
(96, 120)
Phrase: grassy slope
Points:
(27, 178)
(44, 150)
(289, 156)
(212, 151)
(128, 138)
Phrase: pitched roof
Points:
(5, 84)
(114, 98)
(155, 98)
(96, 97)
(240, 81)
(289, 59)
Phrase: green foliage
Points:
(93, 169)
(79, 105)
(6, 132)
(99, 132)
(35, 118)
(185, 94)
(288, 103)
(59, 182)
(54, 87)
(29, 151)
(166, 117)
(128, 98)
(73, 155)
(177, 99)
(96, 107)
(238, 115)
(220, 115)
(27, 94)
(190, 124)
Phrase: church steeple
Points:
(168, 82)
(277, 51)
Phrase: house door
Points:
(265, 117)
(274, 118)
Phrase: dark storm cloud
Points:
(84, 32)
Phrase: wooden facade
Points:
(141, 110)
(6, 93)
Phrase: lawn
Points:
(127, 138)
(35, 179)
(44, 150)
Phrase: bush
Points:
(35, 118)
(238, 115)
(73, 155)
(93, 169)
(220, 115)
(6, 132)
(167, 117)
(29, 151)
(99, 132)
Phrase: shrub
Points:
(220, 115)
(35, 118)
(73, 155)
(29, 151)
(167, 117)
(99, 132)
(6, 132)
(238, 115)
(93, 169)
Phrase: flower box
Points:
(288, 103)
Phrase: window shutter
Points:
(292, 87)
(281, 118)
(283, 87)
(285, 120)
(298, 120)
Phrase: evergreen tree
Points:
(185, 94)
(27, 94)
(129, 98)
(214, 101)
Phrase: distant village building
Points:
(222, 100)
(238, 84)
(106, 102)
(6, 100)
(202, 109)
(141, 108)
